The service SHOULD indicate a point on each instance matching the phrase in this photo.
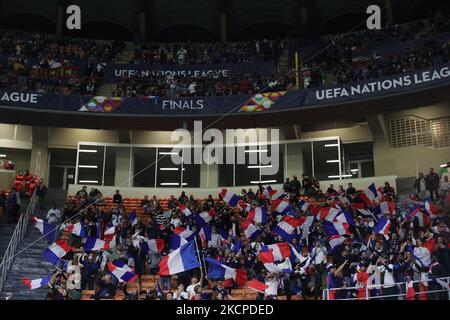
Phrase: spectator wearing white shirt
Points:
(54, 215)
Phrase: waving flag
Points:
(286, 228)
(206, 216)
(422, 217)
(133, 218)
(305, 225)
(216, 270)
(180, 236)
(48, 230)
(36, 283)
(109, 234)
(336, 228)
(250, 231)
(282, 206)
(152, 245)
(274, 252)
(77, 229)
(258, 215)
(56, 251)
(184, 210)
(223, 234)
(257, 285)
(245, 207)
(274, 194)
(383, 227)
(335, 241)
(327, 214)
(423, 254)
(303, 205)
(94, 244)
(371, 192)
(431, 209)
(122, 273)
(285, 266)
(229, 197)
(180, 260)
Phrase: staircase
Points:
(58, 196)
(28, 264)
(6, 231)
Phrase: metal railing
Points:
(326, 292)
(16, 239)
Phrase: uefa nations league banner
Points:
(406, 82)
(114, 72)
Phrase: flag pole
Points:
(199, 259)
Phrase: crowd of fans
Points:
(364, 255)
(359, 56)
(208, 53)
(46, 64)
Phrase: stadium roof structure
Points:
(200, 20)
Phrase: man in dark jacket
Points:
(433, 184)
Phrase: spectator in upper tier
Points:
(331, 191)
(82, 193)
(295, 186)
(117, 198)
(388, 190)
(351, 190)
(420, 184)
(287, 186)
(433, 184)
(306, 184)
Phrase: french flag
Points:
(36, 283)
(384, 207)
(123, 273)
(284, 266)
(94, 244)
(180, 260)
(245, 207)
(133, 218)
(335, 228)
(152, 245)
(422, 217)
(344, 217)
(77, 229)
(250, 231)
(56, 251)
(282, 206)
(109, 234)
(305, 225)
(206, 216)
(335, 241)
(327, 214)
(423, 254)
(383, 227)
(180, 236)
(371, 192)
(216, 270)
(286, 228)
(274, 252)
(205, 230)
(223, 234)
(365, 212)
(303, 205)
(257, 286)
(184, 210)
(258, 215)
(274, 194)
(229, 197)
(431, 209)
(47, 230)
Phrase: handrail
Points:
(326, 292)
(16, 239)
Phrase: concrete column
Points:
(209, 179)
(59, 19)
(294, 160)
(223, 27)
(390, 17)
(39, 162)
(142, 26)
(122, 172)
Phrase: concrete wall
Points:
(204, 192)
(360, 133)
(406, 162)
